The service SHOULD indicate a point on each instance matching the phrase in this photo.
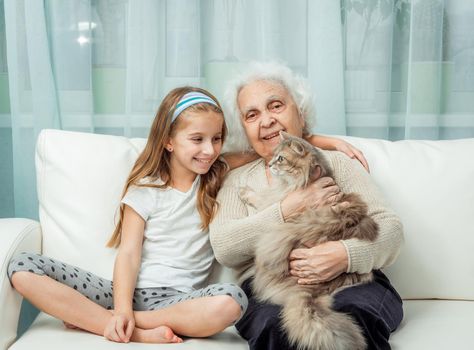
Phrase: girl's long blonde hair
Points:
(154, 161)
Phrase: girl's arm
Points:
(335, 144)
(237, 159)
(127, 265)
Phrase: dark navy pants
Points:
(375, 306)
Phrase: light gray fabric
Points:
(100, 290)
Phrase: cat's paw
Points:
(339, 207)
(248, 196)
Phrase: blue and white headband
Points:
(191, 98)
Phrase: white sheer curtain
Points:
(409, 68)
(391, 69)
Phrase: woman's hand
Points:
(320, 263)
(322, 192)
(335, 144)
(120, 328)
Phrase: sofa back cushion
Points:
(430, 185)
(80, 178)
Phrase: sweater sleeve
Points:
(233, 232)
(365, 256)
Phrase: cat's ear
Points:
(298, 148)
(284, 135)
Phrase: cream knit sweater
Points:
(235, 229)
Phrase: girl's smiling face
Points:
(196, 143)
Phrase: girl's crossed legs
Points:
(73, 295)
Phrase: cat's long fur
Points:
(307, 316)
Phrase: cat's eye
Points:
(280, 159)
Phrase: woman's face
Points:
(266, 108)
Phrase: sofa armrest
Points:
(16, 235)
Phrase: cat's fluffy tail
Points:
(311, 324)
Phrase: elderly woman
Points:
(265, 100)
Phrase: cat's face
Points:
(296, 160)
(292, 158)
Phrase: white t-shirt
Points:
(176, 251)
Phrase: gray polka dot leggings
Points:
(100, 290)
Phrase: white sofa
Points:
(430, 184)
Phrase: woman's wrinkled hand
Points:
(323, 191)
(352, 152)
(120, 328)
(319, 263)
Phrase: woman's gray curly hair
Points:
(297, 86)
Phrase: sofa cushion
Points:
(429, 184)
(49, 333)
(435, 324)
(428, 324)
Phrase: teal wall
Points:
(4, 94)
(6, 174)
(6, 160)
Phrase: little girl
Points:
(164, 256)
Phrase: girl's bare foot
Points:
(158, 335)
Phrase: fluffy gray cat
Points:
(307, 317)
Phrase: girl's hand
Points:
(120, 328)
(335, 144)
(351, 152)
(238, 159)
(320, 263)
